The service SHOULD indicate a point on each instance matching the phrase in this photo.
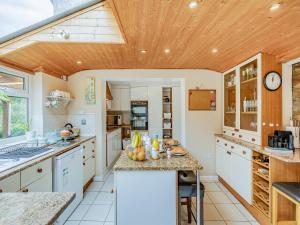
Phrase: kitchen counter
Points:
(56, 150)
(292, 157)
(34, 208)
(187, 162)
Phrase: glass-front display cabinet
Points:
(230, 84)
(248, 96)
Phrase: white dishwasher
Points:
(67, 177)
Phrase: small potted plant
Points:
(3, 96)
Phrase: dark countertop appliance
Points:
(281, 139)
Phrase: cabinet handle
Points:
(232, 147)
(83, 156)
(93, 150)
(225, 144)
(94, 156)
(25, 190)
(232, 134)
(1, 190)
(224, 132)
(40, 170)
(240, 136)
(93, 142)
(83, 164)
(229, 153)
(218, 141)
(244, 152)
(253, 139)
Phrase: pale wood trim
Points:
(15, 66)
(117, 17)
(274, 206)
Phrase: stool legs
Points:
(189, 209)
(275, 207)
(298, 214)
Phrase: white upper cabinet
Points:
(139, 94)
(155, 110)
(121, 99)
(125, 99)
(116, 102)
(242, 101)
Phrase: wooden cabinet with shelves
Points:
(251, 112)
(261, 184)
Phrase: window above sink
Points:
(14, 104)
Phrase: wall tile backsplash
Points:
(86, 123)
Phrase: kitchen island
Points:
(33, 208)
(147, 192)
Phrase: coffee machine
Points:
(282, 140)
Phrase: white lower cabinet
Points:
(233, 165)
(11, 183)
(88, 169)
(43, 184)
(113, 146)
(89, 158)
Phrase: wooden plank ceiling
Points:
(237, 28)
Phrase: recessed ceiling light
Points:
(143, 51)
(79, 62)
(275, 6)
(193, 4)
(167, 50)
(214, 50)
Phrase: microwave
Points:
(114, 120)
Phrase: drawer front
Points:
(88, 149)
(251, 138)
(35, 172)
(41, 185)
(241, 151)
(88, 169)
(10, 184)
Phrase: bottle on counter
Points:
(155, 143)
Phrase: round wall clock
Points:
(272, 81)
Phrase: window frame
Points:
(25, 93)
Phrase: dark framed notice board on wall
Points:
(202, 99)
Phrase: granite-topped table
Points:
(35, 208)
(147, 191)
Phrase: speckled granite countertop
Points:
(36, 208)
(187, 162)
(285, 157)
(57, 150)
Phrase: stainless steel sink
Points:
(20, 151)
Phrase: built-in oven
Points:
(139, 115)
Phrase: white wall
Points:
(43, 119)
(287, 95)
(200, 126)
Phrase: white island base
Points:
(146, 197)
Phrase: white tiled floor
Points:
(220, 206)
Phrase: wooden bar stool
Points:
(291, 191)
